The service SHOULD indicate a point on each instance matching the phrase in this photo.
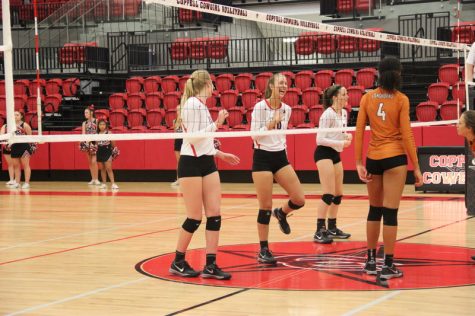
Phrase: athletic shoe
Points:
(15, 186)
(25, 186)
(92, 182)
(265, 256)
(282, 218)
(10, 182)
(175, 184)
(183, 269)
(321, 237)
(212, 271)
(390, 272)
(103, 186)
(97, 182)
(115, 187)
(337, 234)
(370, 267)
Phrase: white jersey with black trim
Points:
(261, 116)
(197, 119)
(331, 119)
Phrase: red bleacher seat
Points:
(155, 118)
(32, 103)
(199, 48)
(355, 93)
(326, 44)
(324, 79)
(20, 87)
(304, 79)
(306, 43)
(32, 119)
(170, 117)
(135, 100)
(134, 84)
(458, 92)
(311, 96)
(347, 44)
(260, 81)
(366, 77)
(292, 96)
(117, 101)
(20, 102)
(315, 113)
(367, 45)
(181, 49)
(290, 76)
(235, 116)
(464, 32)
(53, 86)
(153, 100)
(151, 84)
(70, 87)
(119, 129)
(224, 82)
(186, 16)
(102, 114)
(344, 6)
(33, 87)
(344, 77)
(298, 116)
(448, 110)
(2, 87)
(117, 117)
(182, 82)
(249, 98)
(136, 118)
(243, 82)
(449, 73)
(218, 47)
(229, 99)
(52, 103)
(214, 113)
(426, 111)
(363, 6)
(212, 100)
(169, 83)
(171, 100)
(438, 92)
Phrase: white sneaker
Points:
(103, 187)
(15, 185)
(10, 182)
(91, 182)
(97, 182)
(115, 187)
(175, 184)
(25, 186)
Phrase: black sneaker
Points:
(338, 234)
(370, 267)
(390, 272)
(282, 218)
(321, 237)
(265, 256)
(183, 269)
(212, 271)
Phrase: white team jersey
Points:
(197, 119)
(331, 119)
(261, 116)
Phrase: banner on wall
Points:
(442, 168)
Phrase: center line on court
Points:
(371, 304)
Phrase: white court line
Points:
(371, 304)
(78, 296)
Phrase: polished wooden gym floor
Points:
(72, 249)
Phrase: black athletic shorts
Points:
(177, 144)
(325, 152)
(20, 150)
(104, 153)
(190, 166)
(379, 166)
(271, 161)
(6, 150)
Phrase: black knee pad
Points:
(389, 216)
(337, 199)
(375, 213)
(191, 225)
(213, 223)
(294, 206)
(327, 198)
(264, 217)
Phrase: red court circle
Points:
(338, 266)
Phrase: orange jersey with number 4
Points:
(391, 134)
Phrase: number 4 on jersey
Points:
(381, 112)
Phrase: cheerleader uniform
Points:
(20, 150)
(90, 128)
(330, 144)
(104, 150)
(269, 151)
(196, 154)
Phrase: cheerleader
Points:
(7, 151)
(199, 177)
(21, 152)
(387, 110)
(329, 165)
(270, 163)
(105, 155)
(89, 126)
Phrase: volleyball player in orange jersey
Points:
(387, 111)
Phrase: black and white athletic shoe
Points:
(182, 268)
(212, 271)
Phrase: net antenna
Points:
(7, 48)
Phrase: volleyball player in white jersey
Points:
(270, 162)
(199, 177)
(329, 165)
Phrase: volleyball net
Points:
(241, 49)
